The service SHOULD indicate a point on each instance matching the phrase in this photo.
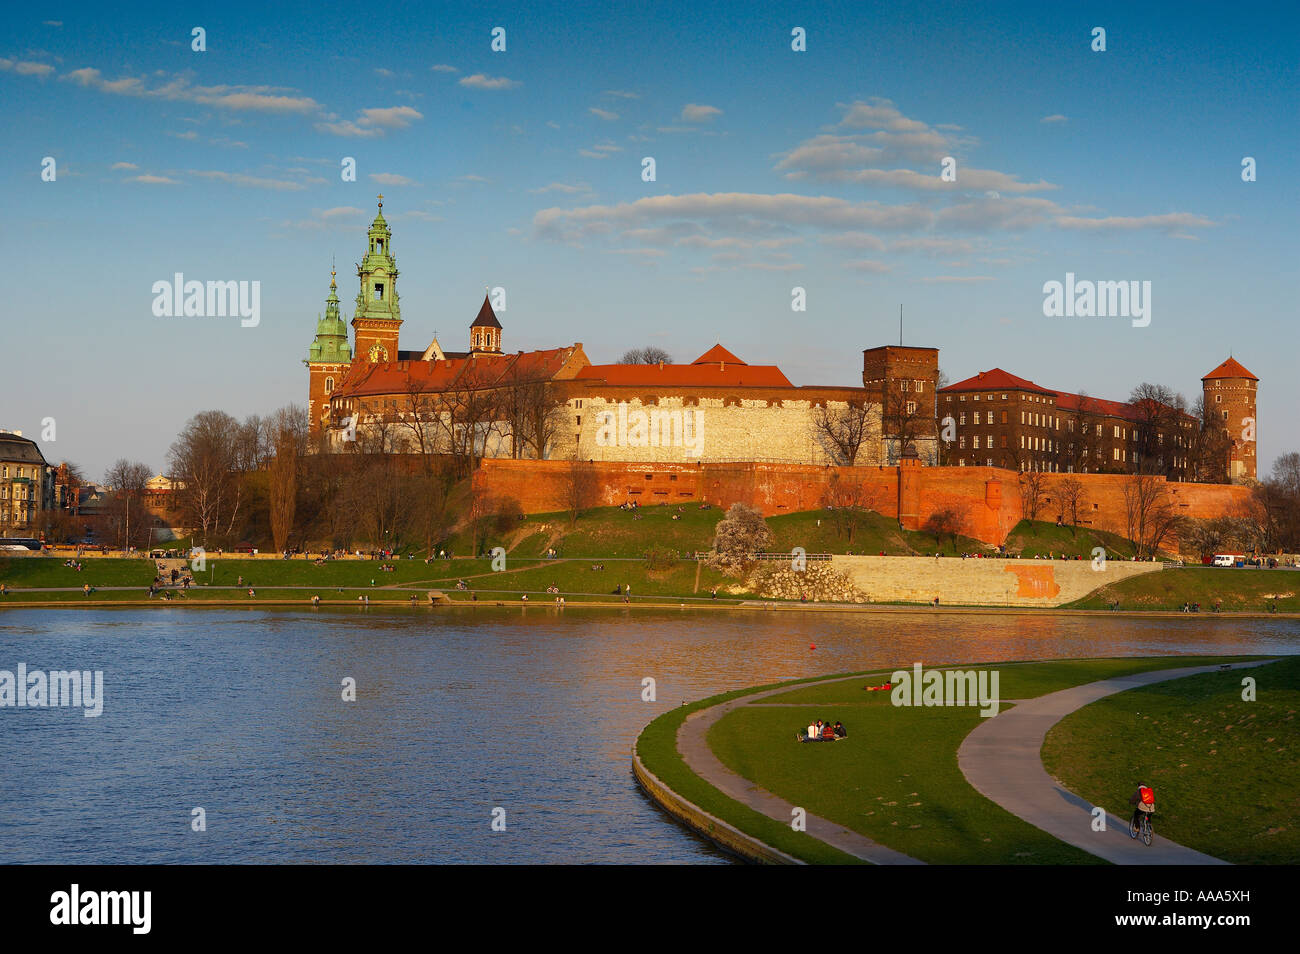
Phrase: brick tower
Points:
(1230, 402)
(327, 359)
(379, 315)
(903, 380)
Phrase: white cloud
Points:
(1129, 223)
(123, 165)
(247, 181)
(562, 187)
(483, 81)
(152, 180)
(621, 94)
(373, 122)
(1054, 118)
(391, 179)
(869, 266)
(26, 68)
(696, 113)
(855, 240)
(443, 68)
(603, 113)
(266, 99)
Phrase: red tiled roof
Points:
(712, 375)
(716, 354)
(1087, 404)
(364, 379)
(997, 379)
(1230, 369)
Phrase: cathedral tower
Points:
(1230, 402)
(378, 317)
(327, 359)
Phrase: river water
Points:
(457, 713)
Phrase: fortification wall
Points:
(987, 499)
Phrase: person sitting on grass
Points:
(813, 733)
(840, 731)
(828, 732)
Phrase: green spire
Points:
(378, 273)
(331, 342)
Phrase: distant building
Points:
(1002, 420)
(1230, 401)
(26, 486)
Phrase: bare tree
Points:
(1073, 497)
(847, 503)
(1032, 485)
(289, 426)
(127, 479)
(647, 355)
(581, 487)
(202, 464)
(1149, 513)
(1210, 447)
(841, 431)
(906, 418)
(1159, 431)
(949, 521)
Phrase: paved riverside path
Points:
(699, 758)
(1002, 759)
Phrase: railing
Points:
(810, 557)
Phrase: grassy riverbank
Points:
(1226, 772)
(1243, 591)
(896, 779)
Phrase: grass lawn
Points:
(1226, 772)
(1030, 537)
(896, 778)
(657, 746)
(50, 571)
(1245, 590)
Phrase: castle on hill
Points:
(555, 404)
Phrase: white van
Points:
(1224, 559)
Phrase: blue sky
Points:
(523, 169)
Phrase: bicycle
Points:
(1142, 827)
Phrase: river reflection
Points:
(458, 712)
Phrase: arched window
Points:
(329, 385)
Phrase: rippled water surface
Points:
(457, 713)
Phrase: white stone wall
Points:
(749, 430)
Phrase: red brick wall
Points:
(988, 498)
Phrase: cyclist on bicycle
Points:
(1143, 800)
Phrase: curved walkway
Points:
(1002, 759)
(699, 758)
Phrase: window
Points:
(379, 291)
(975, 397)
(920, 386)
(989, 462)
(961, 418)
(1225, 415)
(1115, 452)
(1004, 440)
(379, 245)
(1004, 414)
(580, 420)
(1116, 426)
(976, 443)
(905, 385)
(911, 407)
(578, 404)
(1218, 399)
(989, 445)
(961, 442)
(329, 385)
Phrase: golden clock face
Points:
(378, 353)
